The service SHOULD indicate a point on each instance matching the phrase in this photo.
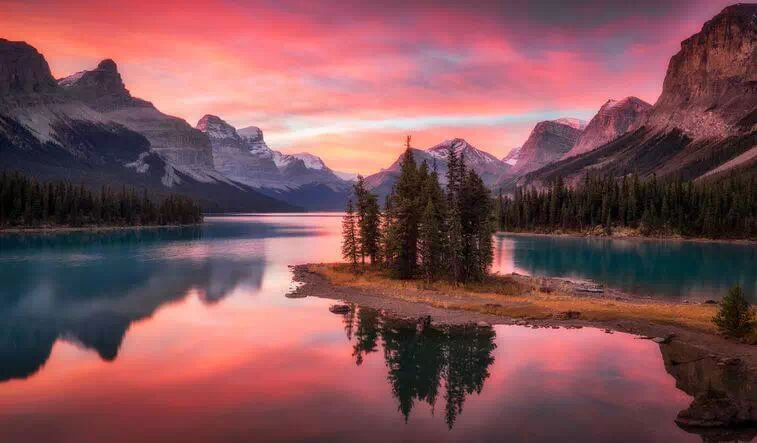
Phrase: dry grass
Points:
(520, 298)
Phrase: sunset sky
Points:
(346, 80)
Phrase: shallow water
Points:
(185, 335)
(673, 269)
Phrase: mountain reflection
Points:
(423, 360)
(88, 288)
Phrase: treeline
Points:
(26, 202)
(725, 208)
(423, 230)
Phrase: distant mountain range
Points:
(88, 128)
(486, 165)
(703, 124)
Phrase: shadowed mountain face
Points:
(705, 121)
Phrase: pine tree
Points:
(405, 200)
(734, 317)
(349, 237)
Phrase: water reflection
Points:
(421, 357)
(699, 270)
(88, 288)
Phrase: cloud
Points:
(310, 72)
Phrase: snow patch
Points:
(139, 164)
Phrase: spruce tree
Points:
(405, 200)
(734, 317)
(349, 237)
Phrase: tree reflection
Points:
(420, 356)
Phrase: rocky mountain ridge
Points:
(704, 122)
(615, 118)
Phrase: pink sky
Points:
(346, 81)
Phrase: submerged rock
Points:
(339, 309)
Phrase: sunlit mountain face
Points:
(346, 80)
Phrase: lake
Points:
(185, 334)
(675, 269)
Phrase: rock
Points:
(568, 315)
(710, 409)
(608, 331)
(23, 70)
(339, 309)
(663, 340)
(483, 324)
(710, 302)
(732, 361)
(709, 84)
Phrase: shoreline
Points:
(64, 229)
(634, 237)
(559, 304)
(719, 374)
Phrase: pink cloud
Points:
(278, 63)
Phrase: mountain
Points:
(489, 167)
(47, 131)
(301, 179)
(704, 122)
(512, 157)
(346, 176)
(245, 160)
(183, 147)
(615, 118)
(548, 142)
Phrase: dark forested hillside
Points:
(26, 202)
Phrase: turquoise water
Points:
(186, 335)
(655, 268)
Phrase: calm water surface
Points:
(656, 268)
(185, 335)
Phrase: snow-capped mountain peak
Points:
(214, 127)
(311, 161)
(461, 147)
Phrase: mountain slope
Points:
(183, 147)
(615, 118)
(704, 120)
(548, 142)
